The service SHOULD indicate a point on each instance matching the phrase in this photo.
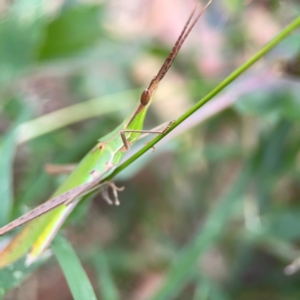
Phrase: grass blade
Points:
(75, 275)
(229, 79)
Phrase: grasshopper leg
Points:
(144, 132)
(115, 191)
(53, 169)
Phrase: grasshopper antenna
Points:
(149, 91)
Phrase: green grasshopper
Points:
(46, 219)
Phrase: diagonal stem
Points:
(267, 48)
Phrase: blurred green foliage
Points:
(213, 213)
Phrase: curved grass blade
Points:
(80, 286)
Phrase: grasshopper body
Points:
(46, 220)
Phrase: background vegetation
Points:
(214, 212)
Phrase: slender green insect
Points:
(46, 219)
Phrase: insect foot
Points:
(54, 169)
(115, 191)
(168, 127)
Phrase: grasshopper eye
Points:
(145, 97)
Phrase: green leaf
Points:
(72, 31)
(76, 277)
